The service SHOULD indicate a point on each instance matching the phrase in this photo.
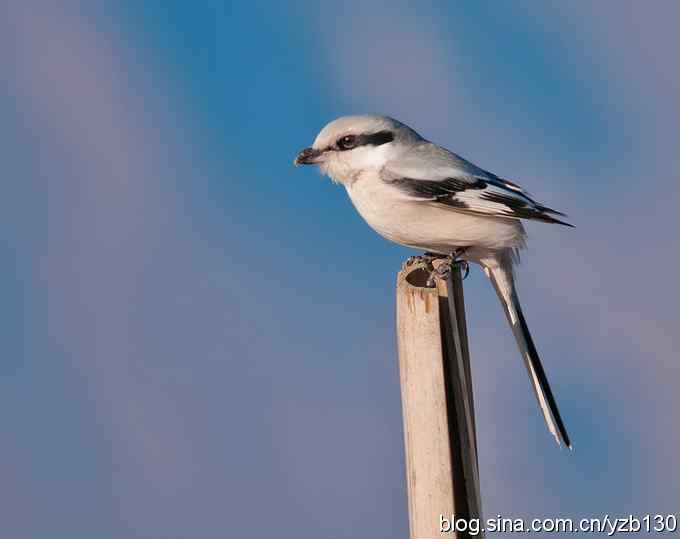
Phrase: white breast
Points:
(424, 225)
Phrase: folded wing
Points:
(432, 174)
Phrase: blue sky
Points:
(199, 337)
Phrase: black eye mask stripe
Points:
(374, 139)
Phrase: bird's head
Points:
(353, 144)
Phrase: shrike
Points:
(423, 196)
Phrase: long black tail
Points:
(499, 272)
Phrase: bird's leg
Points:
(457, 258)
(436, 271)
(444, 269)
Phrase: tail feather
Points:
(499, 271)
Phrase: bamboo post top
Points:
(439, 439)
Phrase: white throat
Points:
(346, 167)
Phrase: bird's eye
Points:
(347, 142)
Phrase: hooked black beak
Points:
(308, 156)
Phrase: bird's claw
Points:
(425, 259)
(410, 261)
(443, 269)
(466, 268)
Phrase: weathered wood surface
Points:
(436, 389)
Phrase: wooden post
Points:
(437, 404)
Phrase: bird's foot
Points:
(426, 259)
(443, 269)
(410, 261)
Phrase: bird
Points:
(423, 196)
